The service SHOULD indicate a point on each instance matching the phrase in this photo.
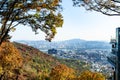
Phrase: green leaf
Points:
(37, 15)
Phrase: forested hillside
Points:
(22, 62)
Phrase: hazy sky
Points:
(78, 23)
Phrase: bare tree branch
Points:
(107, 7)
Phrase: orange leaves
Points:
(61, 72)
(88, 75)
(34, 13)
(44, 5)
(36, 65)
(55, 2)
(18, 5)
(10, 57)
(38, 8)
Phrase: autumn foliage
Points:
(44, 15)
(10, 60)
(28, 63)
(61, 72)
(88, 75)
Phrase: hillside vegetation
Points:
(22, 62)
(35, 62)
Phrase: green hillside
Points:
(77, 65)
(35, 62)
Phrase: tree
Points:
(107, 7)
(61, 72)
(38, 14)
(10, 60)
(88, 75)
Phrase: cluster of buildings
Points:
(100, 60)
(114, 57)
(95, 57)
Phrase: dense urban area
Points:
(93, 53)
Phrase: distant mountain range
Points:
(68, 44)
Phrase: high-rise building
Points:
(114, 57)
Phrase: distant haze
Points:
(68, 44)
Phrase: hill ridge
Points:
(73, 43)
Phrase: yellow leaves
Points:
(41, 0)
(53, 30)
(88, 75)
(10, 57)
(17, 17)
(12, 29)
(55, 2)
(61, 72)
(38, 8)
(18, 5)
(60, 20)
(52, 22)
(44, 5)
(24, 10)
(1, 70)
(55, 20)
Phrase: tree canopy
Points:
(107, 7)
(10, 60)
(38, 14)
(88, 75)
(61, 72)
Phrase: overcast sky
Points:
(78, 23)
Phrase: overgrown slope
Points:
(40, 66)
(35, 62)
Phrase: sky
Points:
(78, 24)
